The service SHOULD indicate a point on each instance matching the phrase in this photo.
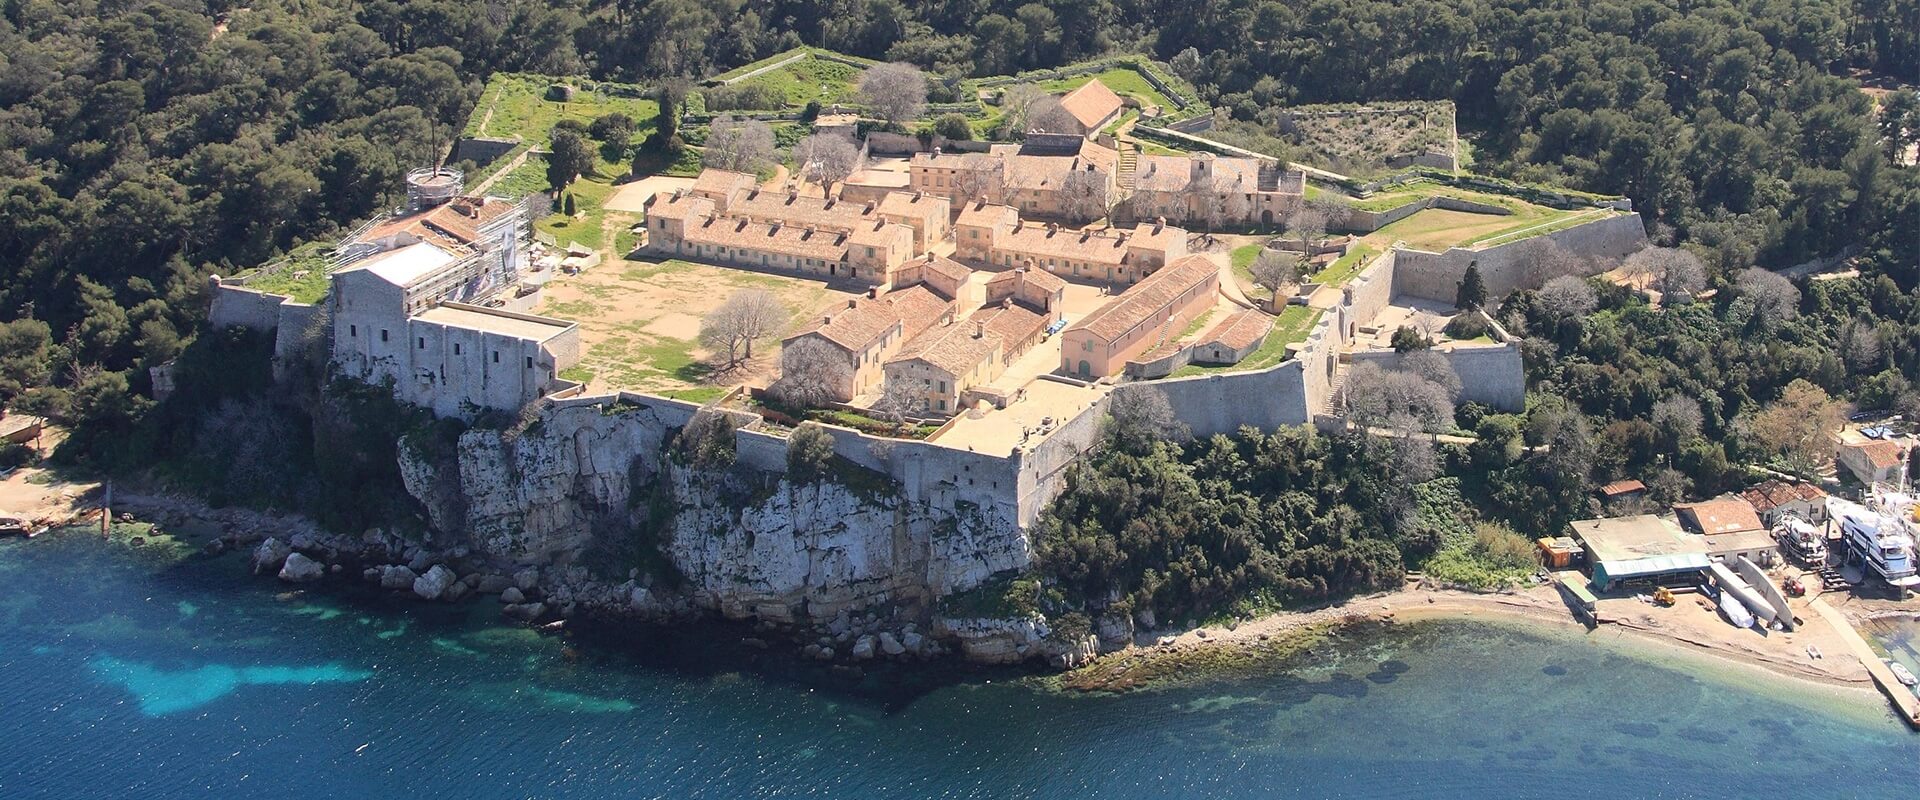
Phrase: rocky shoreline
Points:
(295, 550)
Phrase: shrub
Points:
(809, 451)
(1467, 326)
(1407, 340)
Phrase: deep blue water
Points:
(126, 672)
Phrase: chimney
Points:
(826, 320)
(936, 152)
(855, 302)
(979, 330)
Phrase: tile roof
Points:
(1881, 453)
(882, 234)
(1719, 515)
(914, 204)
(723, 183)
(456, 222)
(1776, 493)
(944, 267)
(864, 320)
(1240, 329)
(679, 205)
(1147, 299)
(983, 214)
(773, 238)
(1037, 278)
(1091, 103)
(1158, 173)
(956, 350)
(796, 209)
(1621, 487)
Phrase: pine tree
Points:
(1472, 293)
(568, 206)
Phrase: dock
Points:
(1905, 702)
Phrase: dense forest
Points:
(145, 146)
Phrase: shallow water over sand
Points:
(129, 673)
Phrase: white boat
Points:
(1798, 537)
(1735, 613)
(1901, 673)
(1878, 538)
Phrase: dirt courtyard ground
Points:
(640, 322)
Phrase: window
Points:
(1087, 345)
(383, 334)
(456, 348)
(353, 330)
(421, 342)
(943, 387)
(496, 356)
(529, 362)
(943, 405)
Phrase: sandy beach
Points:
(1691, 625)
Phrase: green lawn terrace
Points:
(1290, 327)
(526, 107)
(301, 274)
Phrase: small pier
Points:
(1905, 702)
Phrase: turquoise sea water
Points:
(124, 673)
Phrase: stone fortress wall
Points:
(1436, 276)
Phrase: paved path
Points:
(1905, 702)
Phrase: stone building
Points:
(1202, 189)
(996, 235)
(944, 365)
(686, 225)
(1146, 315)
(725, 218)
(1049, 176)
(868, 331)
(1776, 499)
(392, 323)
(1089, 108)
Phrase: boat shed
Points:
(1639, 549)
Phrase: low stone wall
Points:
(1370, 221)
(261, 311)
(1505, 268)
(1222, 403)
(1490, 374)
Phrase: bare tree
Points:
(1567, 296)
(1334, 211)
(1677, 274)
(1771, 297)
(1677, 419)
(1139, 416)
(741, 145)
(1434, 368)
(746, 316)
(1017, 104)
(812, 373)
(1310, 225)
(895, 92)
(1083, 195)
(897, 400)
(1859, 346)
(826, 159)
(981, 177)
(1547, 260)
(1049, 115)
(1274, 270)
(1373, 396)
(1414, 460)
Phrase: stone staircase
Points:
(1336, 393)
(1129, 161)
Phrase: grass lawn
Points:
(1242, 261)
(811, 79)
(1536, 227)
(1345, 267)
(515, 105)
(1438, 229)
(302, 275)
(590, 193)
(1292, 326)
(1124, 81)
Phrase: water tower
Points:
(431, 186)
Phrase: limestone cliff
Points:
(594, 487)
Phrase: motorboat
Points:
(1901, 673)
(1877, 538)
(1801, 540)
